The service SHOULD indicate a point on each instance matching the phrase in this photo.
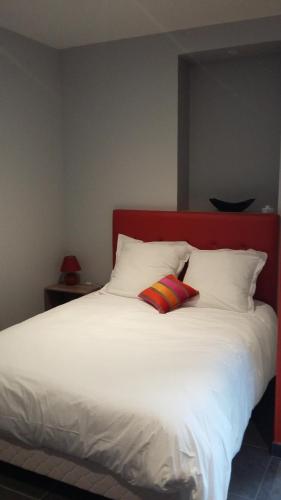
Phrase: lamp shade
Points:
(70, 264)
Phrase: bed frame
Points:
(203, 230)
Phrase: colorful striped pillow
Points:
(167, 294)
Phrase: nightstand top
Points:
(80, 289)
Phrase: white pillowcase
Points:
(226, 279)
(124, 240)
(139, 264)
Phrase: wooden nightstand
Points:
(56, 295)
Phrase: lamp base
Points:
(71, 279)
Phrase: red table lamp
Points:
(70, 266)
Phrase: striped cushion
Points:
(167, 294)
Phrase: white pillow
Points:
(124, 240)
(139, 265)
(226, 279)
(128, 240)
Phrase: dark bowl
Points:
(226, 206)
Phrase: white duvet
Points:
(162, 400)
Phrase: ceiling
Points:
(68, 23)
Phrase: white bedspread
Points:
(162, 400)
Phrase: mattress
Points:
(84, 475)
(160, 401)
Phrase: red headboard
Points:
(209, 230)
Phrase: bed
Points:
(118, 447)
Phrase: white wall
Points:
(31, 195)
(120, 128)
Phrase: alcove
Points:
(229, 125)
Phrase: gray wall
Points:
(235, 126)
(120, 128)
(120, 122)
(118, 107)
(31, 196)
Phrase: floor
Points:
(255, 476)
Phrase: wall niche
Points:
(229, 126)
